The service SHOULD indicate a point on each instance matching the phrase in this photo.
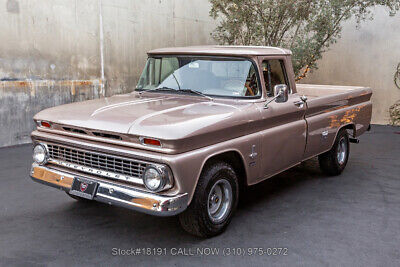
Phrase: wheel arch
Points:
(348, 126)
(232, 157)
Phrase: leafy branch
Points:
(307, 27)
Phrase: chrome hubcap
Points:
(219, 201)
(342, 151)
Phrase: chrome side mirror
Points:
(281, 94)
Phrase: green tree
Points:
(307, 27)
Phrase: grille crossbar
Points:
(111, 166)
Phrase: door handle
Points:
(299, 104)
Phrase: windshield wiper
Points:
(159, 89)
(195, 92)
(169, 89)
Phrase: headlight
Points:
(40, 154)
(156, 178)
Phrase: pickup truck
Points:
(203, 123)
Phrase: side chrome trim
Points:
(115, 194)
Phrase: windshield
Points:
(230, 77)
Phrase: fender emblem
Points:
(253, 154)
(324, 134)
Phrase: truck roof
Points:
(221, 50)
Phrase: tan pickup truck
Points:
(202, 123)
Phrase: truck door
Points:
(283, 127)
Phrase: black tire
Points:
(330, 162)
(196, 219)
(81, 199)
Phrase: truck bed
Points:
(330, 107)
(316, 90)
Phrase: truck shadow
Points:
(281, 183)
(128, 228)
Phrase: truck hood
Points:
(174, 119)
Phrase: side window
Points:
(274, 74)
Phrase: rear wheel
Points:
(334, 161)
(214, 201)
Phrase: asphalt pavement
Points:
(349, 220)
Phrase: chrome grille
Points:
(97, 163)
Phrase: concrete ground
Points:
(349, 220)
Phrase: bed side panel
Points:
(326, 115)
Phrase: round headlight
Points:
(40, 154)
(153, 179)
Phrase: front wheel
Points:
(214, 201)
(334, 161)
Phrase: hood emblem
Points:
(83, 186)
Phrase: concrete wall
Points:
(367, 56)
(53, 51)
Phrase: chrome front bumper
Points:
(113, 193)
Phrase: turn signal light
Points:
(45, 124)
(151, 142)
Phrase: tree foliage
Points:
(307, 27)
